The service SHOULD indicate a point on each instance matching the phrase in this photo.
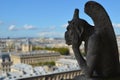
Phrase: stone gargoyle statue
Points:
(102, 57)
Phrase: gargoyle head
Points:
(74, 30)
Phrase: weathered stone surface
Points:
(82, 77)
(102, 57)
(78, 30)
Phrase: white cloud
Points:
(116, 25)
(116, 28)
(51, 34)
(65, 25)
(29, 27)
(25, 27)
(51, 27)
(12, 28)
(51, 31)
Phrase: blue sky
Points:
(47, 18)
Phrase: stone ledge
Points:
(82, 77)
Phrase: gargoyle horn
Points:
(76, 14)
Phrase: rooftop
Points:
(25, 70)
(40, 52)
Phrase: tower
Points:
(27, 46)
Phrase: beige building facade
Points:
(35, 57)
(27, 46)
(5, 63)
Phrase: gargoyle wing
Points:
(103, 25)
(105, 39)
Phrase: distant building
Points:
(5, 63)
(22, 68)
(27, 46)
(35, 57)
(10, 45)
(67, 63)
(118, 41)
(18, 46)
(27, 72)
(2, 46)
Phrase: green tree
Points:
(62, 51)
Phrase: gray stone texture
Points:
(102, 58)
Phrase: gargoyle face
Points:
(68, 34)
(73, 35)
